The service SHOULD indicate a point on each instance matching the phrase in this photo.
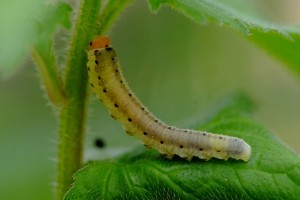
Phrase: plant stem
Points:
(73, 113)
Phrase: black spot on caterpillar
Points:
(138, 121)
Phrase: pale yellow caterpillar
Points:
(106, 78)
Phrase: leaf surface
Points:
(273, 171)
(283, 41)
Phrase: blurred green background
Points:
(176, 67)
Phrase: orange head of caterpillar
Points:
(99, 42)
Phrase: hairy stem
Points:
(73, 113)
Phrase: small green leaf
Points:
(51, 79)
(282, 41)
(43, 54)
(56, 15)
(34, 28)
(110, 12)
(273, 171)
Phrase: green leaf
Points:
(109, 14)
(273, 171)
(56, 15)
(43, 53)
(27, 27)
(281, 40)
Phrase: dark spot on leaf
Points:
(99, 143)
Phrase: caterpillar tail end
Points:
(246, 152)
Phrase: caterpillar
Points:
(106, 78)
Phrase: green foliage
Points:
(110, 13)
(282, 41)
(271, 173)
(38, 30)
(273, 170)
(42, 50)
